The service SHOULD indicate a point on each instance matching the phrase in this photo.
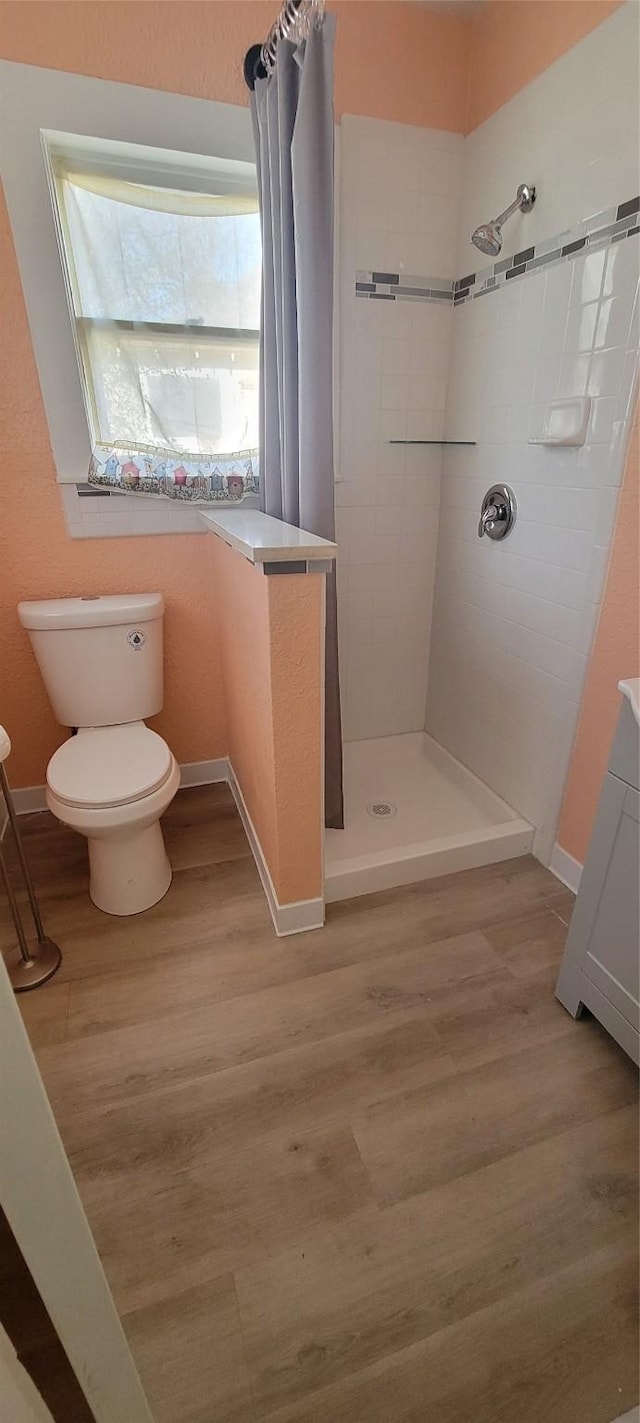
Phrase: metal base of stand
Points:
(43, 961)
(31, 963)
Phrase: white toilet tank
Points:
(100, 658)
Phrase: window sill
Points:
(106, 514)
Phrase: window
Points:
(162, 261)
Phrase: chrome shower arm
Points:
(524, 200)
(503, 216)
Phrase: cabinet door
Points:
(612, 959)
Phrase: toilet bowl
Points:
(112, 784)
(101, 663)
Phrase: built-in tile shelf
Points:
(432, 442)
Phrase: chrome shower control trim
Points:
(497, 512)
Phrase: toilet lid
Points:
(110, 765)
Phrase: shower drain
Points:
(382, 809)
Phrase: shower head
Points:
(488, 237)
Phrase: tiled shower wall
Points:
(399, 198)
(513, 622)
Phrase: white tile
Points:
(575, 374)
(394, 395)
(597, 572)
(587, 277)
(602, 417)
(621, 274)
(628, 387)
(582, 323)
(362, 548)
(393, 425)
(396, 356)
(612, 327)
(440, 174)
(606, 371)
(511, 621)
(392, 462)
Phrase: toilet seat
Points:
(109, 766)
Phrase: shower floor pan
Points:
(412, 812)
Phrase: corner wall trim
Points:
(293, 918)
(565, 868)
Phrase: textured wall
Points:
(512, 41)
(38, 560)
(196, 49)
(393, 59)
(243, 595)
(271, 644)
(296, 610)
(615, 655)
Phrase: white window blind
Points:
(164, 287)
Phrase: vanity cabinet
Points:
(601, 966)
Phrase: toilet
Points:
(101, 663)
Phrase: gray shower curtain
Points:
(293, 127)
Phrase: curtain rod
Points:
(294, 21)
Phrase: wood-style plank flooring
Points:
(370, 1174)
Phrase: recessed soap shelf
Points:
(564, 422)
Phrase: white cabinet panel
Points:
(601, 967)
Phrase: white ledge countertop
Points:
(631, 690)
(263, 539)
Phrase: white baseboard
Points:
(565, 868)
(29, 799)
(295, 918)
(204, 773)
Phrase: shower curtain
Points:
(293, 127)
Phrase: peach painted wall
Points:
(38, 560)
(615, 656)
(394, 60)
(272, 674)
(297, 691)
(194, 48)
(512, 41)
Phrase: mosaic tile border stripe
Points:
(601, 230)
(390, 286)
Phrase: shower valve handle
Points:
(497, 512)
(487, 519)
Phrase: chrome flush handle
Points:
(497, 512)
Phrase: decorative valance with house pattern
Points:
(228, 478)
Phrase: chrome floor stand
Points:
(31, 963)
